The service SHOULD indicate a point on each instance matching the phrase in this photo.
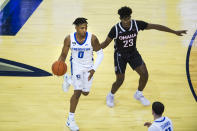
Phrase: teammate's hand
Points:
(91, 74)
(180, 32)
(148, 124)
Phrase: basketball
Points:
(59, 68)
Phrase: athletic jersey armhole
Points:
(71, 38)
(116, 31)
(136, 25)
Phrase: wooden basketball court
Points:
(39, 104)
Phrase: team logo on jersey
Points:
(78, 76)
(86, 44)
(74, 43)
(12, 68)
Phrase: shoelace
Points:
(140, 95)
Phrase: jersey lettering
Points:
(126, 40)
(82, 54)
(169, 129)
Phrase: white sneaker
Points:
(66, 83)
(110, 100)
(139, 96)
(72, 125)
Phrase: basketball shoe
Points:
(139, 96)
(71, 124)
(110, 100)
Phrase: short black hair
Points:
(158, 108)
(125, 12)
(80, 20)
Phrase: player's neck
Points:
(126, 28)
(156, 117)
(80, 37)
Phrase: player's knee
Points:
(85, 93)
(77, 95)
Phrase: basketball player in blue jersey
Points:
(82, 44)
(160, 123)
(125, 35)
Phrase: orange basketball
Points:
(59, 68)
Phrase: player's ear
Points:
(152, 112)
(75, 27)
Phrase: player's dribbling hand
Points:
(148, 124)
(91, 74)
(181, 32)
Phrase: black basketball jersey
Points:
(125, 40)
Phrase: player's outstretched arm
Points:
(166, 29)
(65, 49)
(96, 47)
(105, 43)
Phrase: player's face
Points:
(81, 29)
(126, 22)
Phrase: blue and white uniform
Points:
(161, 124)
(81, 62)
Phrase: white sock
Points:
(139, 92)
(71, 116)
(111, 94)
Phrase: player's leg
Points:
(77, 79)
(137, 64)
(116, 85)
(143, 72)
(73, 105)
(74, 100)
(120, 67)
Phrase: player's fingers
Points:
(90, 76)
(145, 124)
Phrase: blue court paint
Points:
(187, 65)
(30, 70)
(15, 14)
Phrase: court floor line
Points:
(187, 65)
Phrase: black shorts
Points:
(121, 59)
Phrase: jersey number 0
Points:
(80, 54)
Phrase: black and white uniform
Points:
(125, 45)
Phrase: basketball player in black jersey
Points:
(125, 35)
